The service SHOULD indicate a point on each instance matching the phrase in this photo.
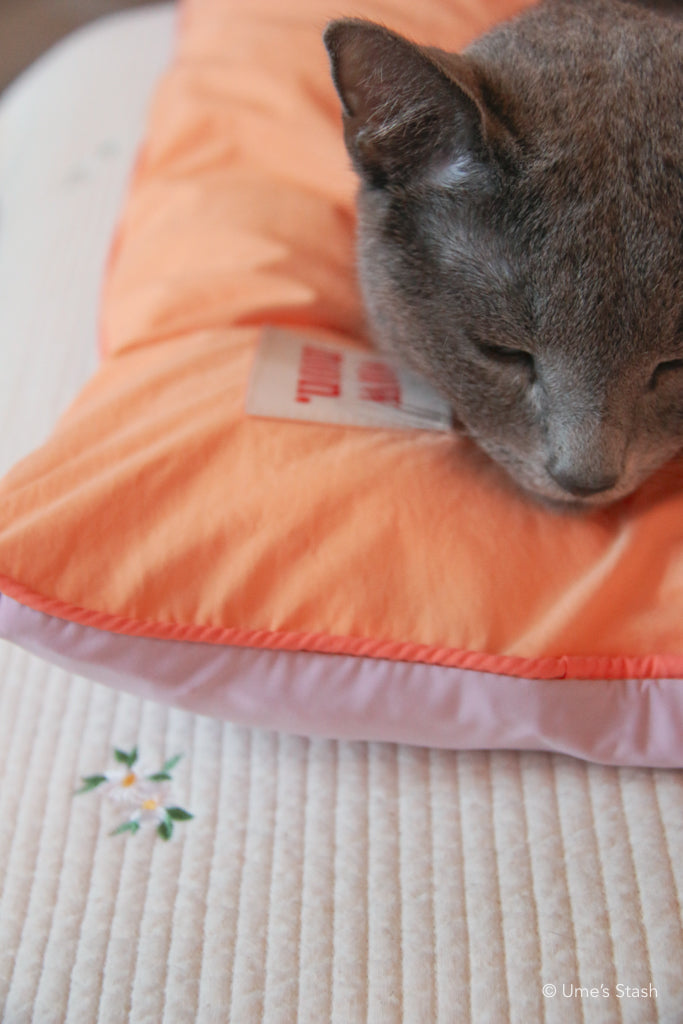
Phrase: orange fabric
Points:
(158, 508)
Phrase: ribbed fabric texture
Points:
(324, 881)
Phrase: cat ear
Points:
(407, 110)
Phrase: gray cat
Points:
(520, 232)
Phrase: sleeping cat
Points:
(520, 232)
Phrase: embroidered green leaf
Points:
(90, 782)
(128, 826)
(169, 765)
(159, 777)
(165, 829)
(178, 814)
(128, 759)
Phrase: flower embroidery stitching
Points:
(143, 794)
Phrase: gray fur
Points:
(520, 232)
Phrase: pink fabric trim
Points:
(654, 666)
(617, 721)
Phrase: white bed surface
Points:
(69, 130)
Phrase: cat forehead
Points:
(598, 85)
(557, 286)
(593, 52)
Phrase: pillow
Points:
(324, 579)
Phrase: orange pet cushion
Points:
(159, 509)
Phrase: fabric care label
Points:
(295, 377)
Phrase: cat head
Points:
(520, 217)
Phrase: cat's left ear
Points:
(408, 109)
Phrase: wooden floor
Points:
(29, 27)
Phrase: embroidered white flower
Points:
(125, 786)
(152, 811)
(143, 794)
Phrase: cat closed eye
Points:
(665, 369)
(502, 354)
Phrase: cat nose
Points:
(582, 486)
